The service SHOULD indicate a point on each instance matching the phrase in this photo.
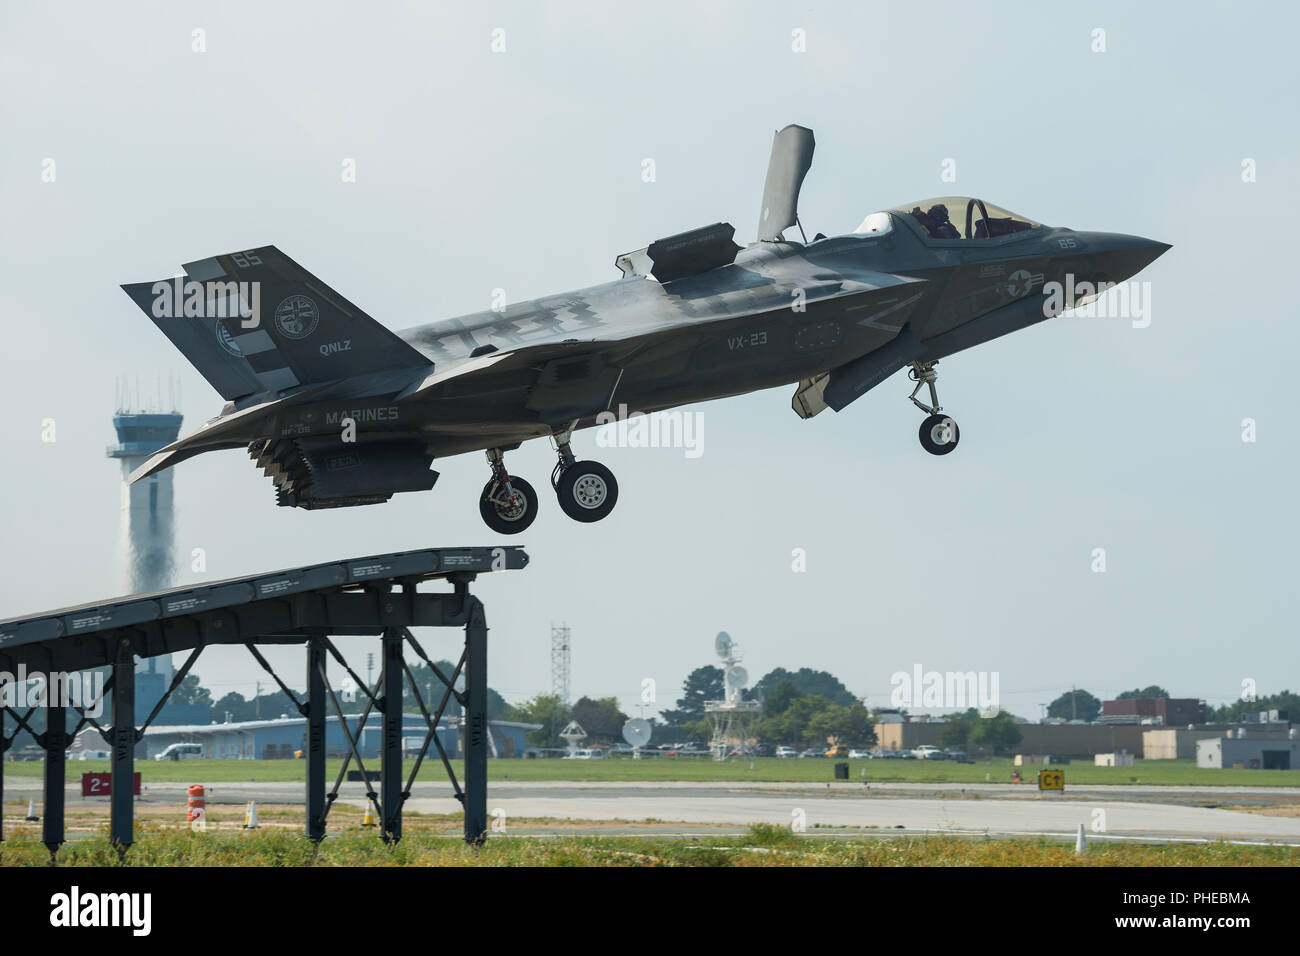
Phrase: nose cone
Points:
(1137, 256)
(1118, 257)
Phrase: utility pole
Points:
(1074, 703)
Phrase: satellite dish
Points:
(573, 731)
(637, 731)
(722, 643)
(737, 676)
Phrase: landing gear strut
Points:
(508, 505)
(587, 490)
(938, 433)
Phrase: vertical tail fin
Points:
(256, 321)
(199, 337)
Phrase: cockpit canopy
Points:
(956, 217)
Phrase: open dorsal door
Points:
(792, 153)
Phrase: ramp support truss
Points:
(386, 608)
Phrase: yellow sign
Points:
(1051, 780)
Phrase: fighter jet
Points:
(340, 411)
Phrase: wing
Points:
(571, 377)
(629, 308)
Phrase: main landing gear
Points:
(587, 490)
(508, 505)
(938, 433)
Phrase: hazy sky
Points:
(522, 170)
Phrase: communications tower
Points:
(731, 718)
(560, 663)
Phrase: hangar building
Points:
(1252, 753)
(278, 739)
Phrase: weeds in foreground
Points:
(763, 845)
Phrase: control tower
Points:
(145, 539)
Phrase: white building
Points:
(1251, 753)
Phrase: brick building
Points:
(1172, 711)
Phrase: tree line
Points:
(802, 709)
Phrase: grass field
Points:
(764, 769)
(762, 846)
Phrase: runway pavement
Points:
(1133, 812)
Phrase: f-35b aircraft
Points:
(340, 411)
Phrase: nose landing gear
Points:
(938, 433)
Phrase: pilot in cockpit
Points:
(935, 222)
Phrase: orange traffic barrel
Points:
(196, 808)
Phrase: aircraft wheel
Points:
(939, 434)
(508, 518)
(587, 491)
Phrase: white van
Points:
(180, 752)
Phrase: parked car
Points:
(839, 751)
(905, 754)
(882, 755)
(812, 752)
(929, 752)
(859, 754)
(957, 755)
(180, 752)
(786, 752)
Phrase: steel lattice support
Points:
(4, 745)
(123, 738)
(55, 743)
(390, 771)
(315, 744)
(475, 724)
